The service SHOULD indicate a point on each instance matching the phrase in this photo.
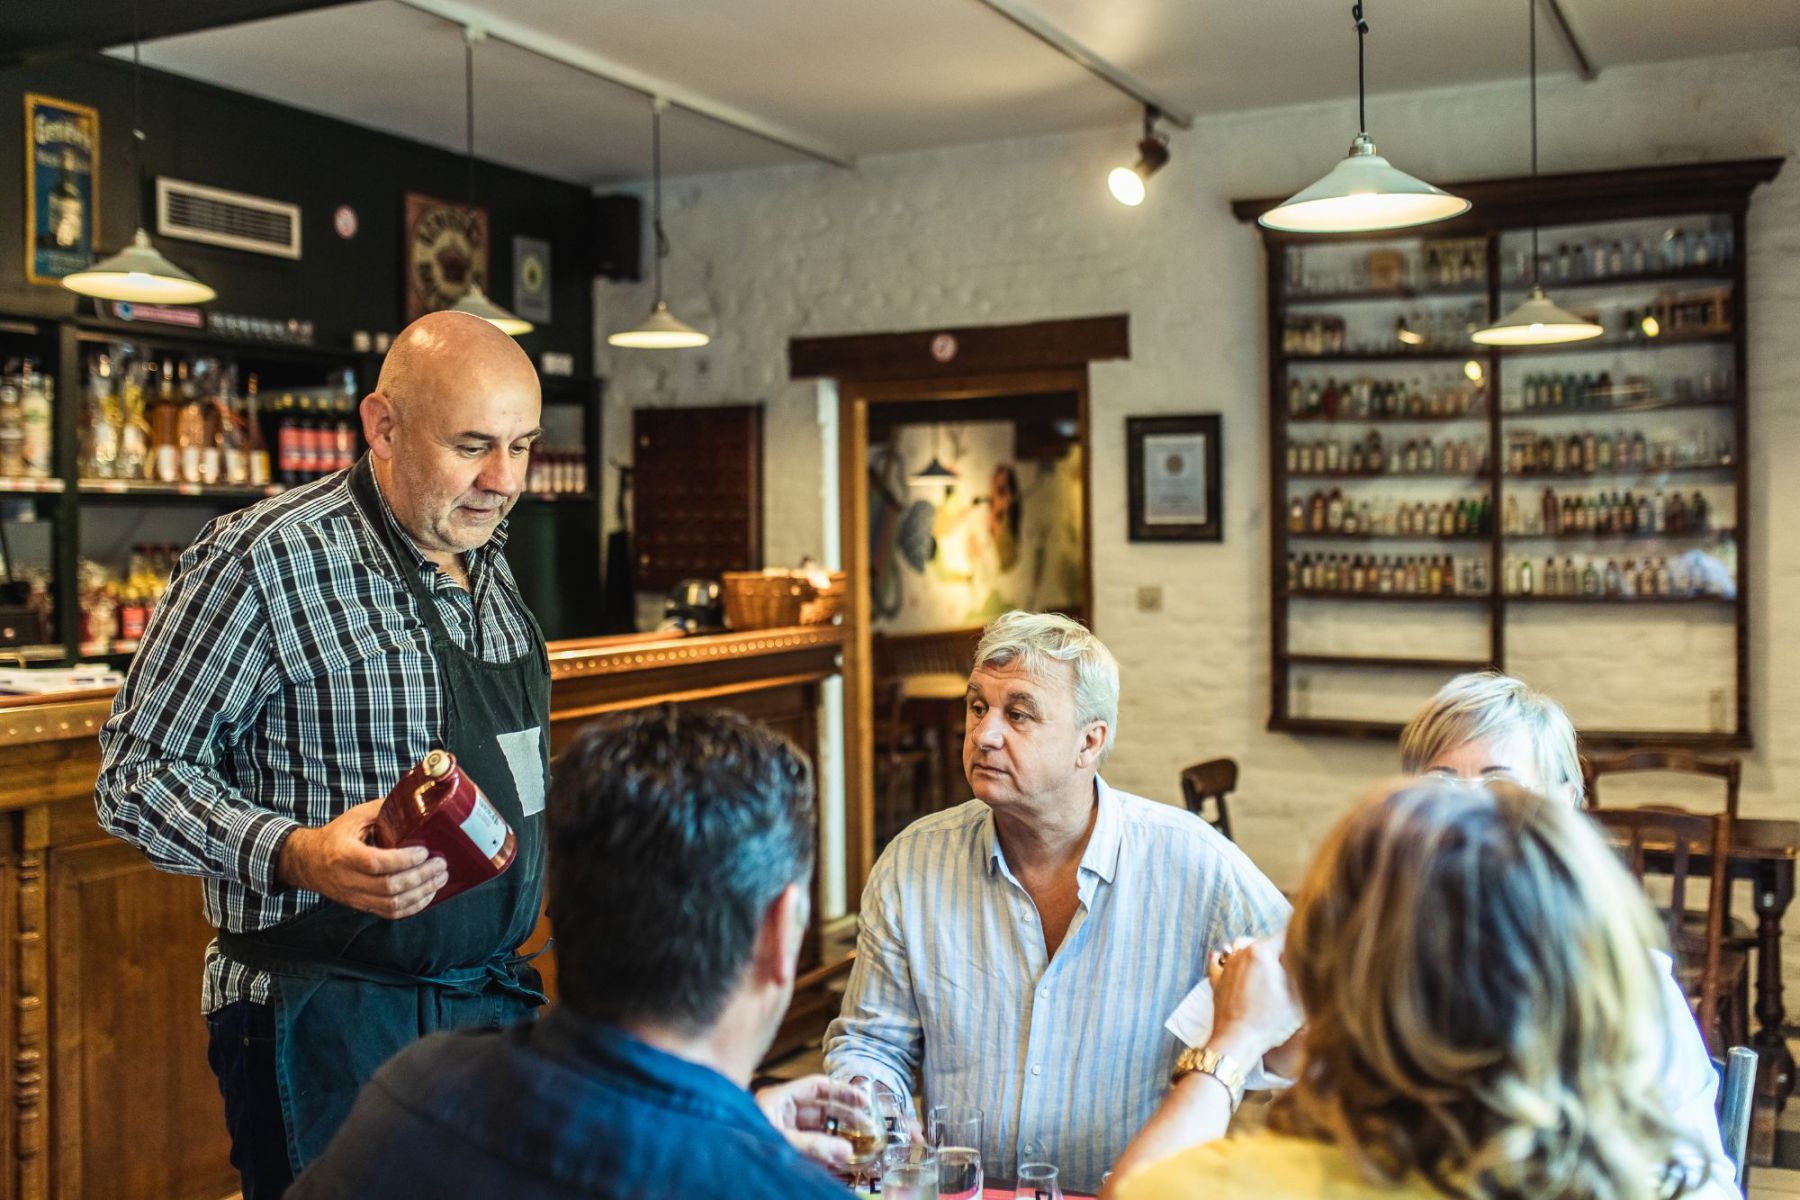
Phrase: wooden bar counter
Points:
(104, 1084)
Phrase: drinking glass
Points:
(955, 1131)
(909, 1172)
(1037, 1181)
(861, 1127)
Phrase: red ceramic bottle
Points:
(437, 806)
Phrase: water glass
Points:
(909, 1173)
(1037, 1181)
(955, 1130)
(959, 1173)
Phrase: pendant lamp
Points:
(1364, 191)
(662, 329)
(475, 302)
(1536, 321)
(935, 474)
(138, 274)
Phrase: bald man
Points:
(310, 650)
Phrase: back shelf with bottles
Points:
(1523, 502)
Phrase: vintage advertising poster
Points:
(62, 146)
(446, 251)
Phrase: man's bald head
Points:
(445, 350)
(450, 427)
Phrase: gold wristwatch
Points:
(1221, 1067)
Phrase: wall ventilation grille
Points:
(220, 218)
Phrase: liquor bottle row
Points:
(1676, 250)
(557, 472)
(187, 421)
(116, 608)
(1369, 455)
(1332, 399)
(1608, 513)
(1460, 263)
(1692, 574)
(1439, 328)
(1619, 451)
(26, 396)
(1563, 392)
(1330, 514)
(1405, 575)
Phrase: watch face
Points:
(446, 253)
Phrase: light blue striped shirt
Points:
(1068, 1057)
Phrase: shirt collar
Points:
(1101, 858)
(476, 558)
(568, 1036)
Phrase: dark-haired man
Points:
(680, 847)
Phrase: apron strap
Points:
(501, 970)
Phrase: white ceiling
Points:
(874, 77)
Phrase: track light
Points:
(1127, 183)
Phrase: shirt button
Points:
(1037, 1070)
(1044, 995)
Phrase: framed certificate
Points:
(1174, 478)
(62, 147)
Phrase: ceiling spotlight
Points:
(1127, 183)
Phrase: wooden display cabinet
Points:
(1577, 514)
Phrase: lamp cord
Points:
(1362, 31)
(656, 224)
(137, 103)
(469, 108)
(1531, 10)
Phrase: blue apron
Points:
(349, 989)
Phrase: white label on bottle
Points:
(485, 827)
(168, 464)
(526, 763)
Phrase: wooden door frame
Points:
(873, 369)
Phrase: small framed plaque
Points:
(1174, 478)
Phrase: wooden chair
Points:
(1729, 771)
(1737, 1094)
(1680, 762)
(902, 758)
(1714, 977)
(1212, 781)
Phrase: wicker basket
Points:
(760, 600)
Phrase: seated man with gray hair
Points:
(1023, 949)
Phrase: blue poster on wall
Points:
(62, 143)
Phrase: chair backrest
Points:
(1681, 762)
(1211, 780)
(1737, 1093)
(940, 652)
(1671, 840)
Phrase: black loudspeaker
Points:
(618, 237)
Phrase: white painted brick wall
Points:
(1024, 230)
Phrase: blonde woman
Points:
(1485, 726)
(1473, 966)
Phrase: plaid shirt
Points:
(286, 676)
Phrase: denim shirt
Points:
(559, 1107)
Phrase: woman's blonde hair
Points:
(1482, 1005)
(1485, 704)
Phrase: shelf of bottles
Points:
(1413, 464)
(192, 427)
(30, 491)
(201, 425)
